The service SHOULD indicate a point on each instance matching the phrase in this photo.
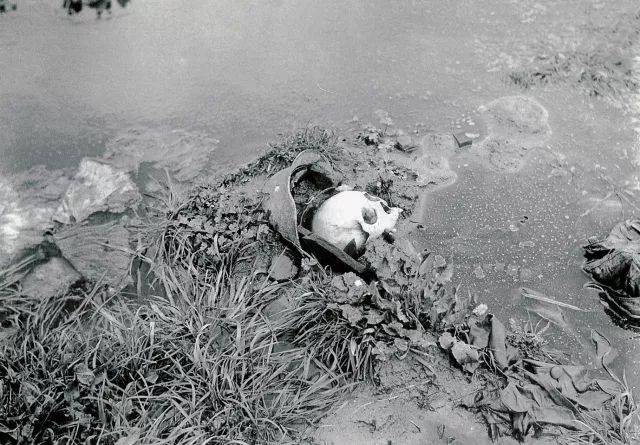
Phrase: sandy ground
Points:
(409, 408)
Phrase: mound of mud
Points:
(515, 126)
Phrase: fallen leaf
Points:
(83, 374)
(131, 439)
(513, 400)
(479, 332)
(351, 313)
(446, 341)
(605, 353)
(465, 355)
(497, 343)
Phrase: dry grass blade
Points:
(535, 295)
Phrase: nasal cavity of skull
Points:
(369, 215)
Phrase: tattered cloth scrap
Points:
(614, 263)
(546, 394)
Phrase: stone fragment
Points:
(283, 268)
(462, 139)
(97, 187)
(99, 252)
(406, 143)
(50, 279)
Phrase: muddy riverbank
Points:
(210, 281)
(209, 82)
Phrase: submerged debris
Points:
(97, 187)
(515, 125)
(462, 139)
(186, 155)
(27, 202)
(614, 263)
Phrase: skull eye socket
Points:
(369, 215)
(385, 207)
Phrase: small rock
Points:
(556, 372)
(479, 273)
(480, 310)
(99, 252)
(405, 143)
(283, 268)
(462, 139)
(439, 262)
(50, 279)
(97, 187)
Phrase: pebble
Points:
(479, 273)
(50, 279)
(405, 143)
(556, 372)
(283, 268)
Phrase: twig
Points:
(534, 295)
(326, 91)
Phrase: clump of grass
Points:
(327, 334)
(281, 154)
(599, 72)
(199, 363)
(617, 423)
(601, 62)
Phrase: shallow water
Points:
(241, 72)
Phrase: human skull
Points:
(349, 218)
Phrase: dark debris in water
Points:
(614, 264)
